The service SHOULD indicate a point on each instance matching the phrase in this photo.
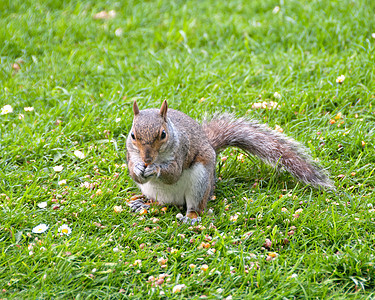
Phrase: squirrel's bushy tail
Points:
(272, 147)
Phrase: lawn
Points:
(70, 70)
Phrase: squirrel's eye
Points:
(163, 135)
(133, 136)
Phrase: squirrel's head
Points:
(149, 132)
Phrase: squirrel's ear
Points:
(135, 108)
(163, 110)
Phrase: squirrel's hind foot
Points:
(137, 205)
(191, 218)
(189, 221)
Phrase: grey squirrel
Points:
(172, 157)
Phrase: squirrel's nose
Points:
(147, 157)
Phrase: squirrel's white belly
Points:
(174, 193)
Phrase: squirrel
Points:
(172, 157)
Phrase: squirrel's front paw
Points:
(151, 170)
(139, 169)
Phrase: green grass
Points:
(80, 77)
